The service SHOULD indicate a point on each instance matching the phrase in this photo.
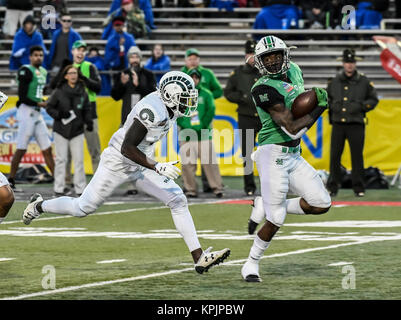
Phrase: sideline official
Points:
(238, 90)
(351, 96)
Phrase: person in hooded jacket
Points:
(70, 108)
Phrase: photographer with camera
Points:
(133, 83)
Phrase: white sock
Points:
(258, 249)
(294, 206)
(63, 206)
(185, 226)
(1, 220)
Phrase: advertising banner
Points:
(382, 143)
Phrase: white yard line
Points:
(112, 261)
(6, 259)
(160, 274)
(112, 212)
(341, 263)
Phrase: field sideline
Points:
(132, 251)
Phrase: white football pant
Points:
(280, 173)
(113, 171)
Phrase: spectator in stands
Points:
(132, 84)
(70, 108)
(62, 42)
(24, 39)
(366, 15)
(227, 5)
(31, 82)
(276, 14)
(95, 58)
(17, 11)
(159, 63)
(238, 90)
(208, 80)
(118, 45)
(59, 8)
(336, 15)
(135, 19)
(89, 74)
(195, 140)
(351, 95)
(317, 13)
(144, 5)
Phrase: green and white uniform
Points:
(31, 82)
(281, 168)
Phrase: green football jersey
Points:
(271, 132)
(38, 82)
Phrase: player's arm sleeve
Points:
(372, 100)
(129, 148)
(24, 78)
(266, 97)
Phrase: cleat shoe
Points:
(209, 259)
(250, 272)
(257, 214)
(30, 211)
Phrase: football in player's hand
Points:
(304, 104)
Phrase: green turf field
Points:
(143, 257)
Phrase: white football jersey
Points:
(153, 114)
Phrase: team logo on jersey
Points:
(287, 87)
(279, 162)
(147, 115)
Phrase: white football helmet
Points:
(267, 45)
(177, 90)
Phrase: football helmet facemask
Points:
(278, 64)
(177, 90)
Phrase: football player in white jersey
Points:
(129, 157)
(6, 193)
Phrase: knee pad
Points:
(276, 215)
(322, 200)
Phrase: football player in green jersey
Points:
(280, 165)
(31, 80)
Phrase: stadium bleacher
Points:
(220, 37)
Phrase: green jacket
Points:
(202, 119)
(350, 98)
(208, 81)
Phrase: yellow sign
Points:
(382, 142)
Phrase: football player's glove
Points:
(168, 169)
(322, 97)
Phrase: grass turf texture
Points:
(298, 276)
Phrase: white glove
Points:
(3, 99)
(19, 53)
(168, 169)
(297, 136)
